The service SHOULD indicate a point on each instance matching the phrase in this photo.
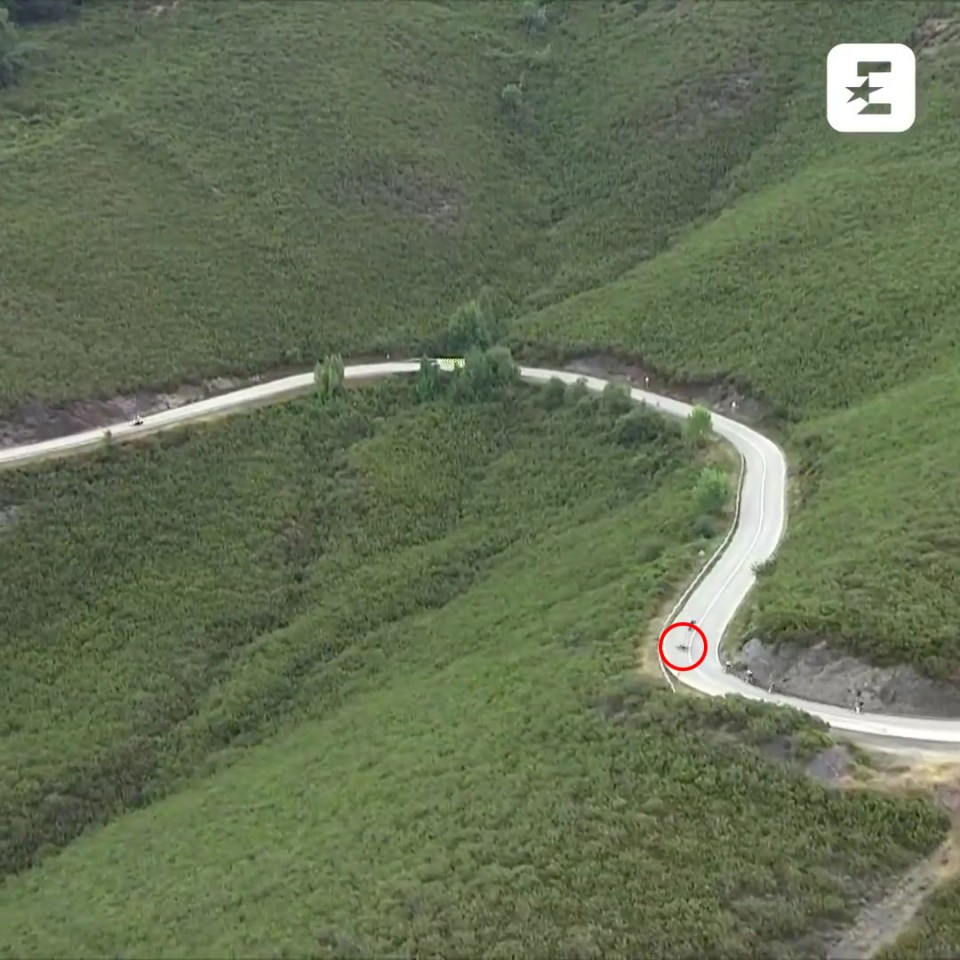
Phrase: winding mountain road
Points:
(712, 599)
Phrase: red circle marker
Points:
(663, 636)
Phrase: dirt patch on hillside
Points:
(723, 397)
(34, 422)
(934, 34)
(151, 8)
(880, 922)
(832, 766)
(714, 99)
(407, 191)
(8, 517)
(824, 675)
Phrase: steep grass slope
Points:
(374, 669)
(226, 187)
(817, 292)
(873, 561)
(151, 598)
(833, 295)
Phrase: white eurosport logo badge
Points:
(871, 88)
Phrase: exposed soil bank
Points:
(821, 674)
(723, 397)
(34, 422)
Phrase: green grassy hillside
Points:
(225, 188)
(346, 680)
(873, 559)
(831, 295)
(166, 602)
(476, 804)
(213, 190)
(360, 663)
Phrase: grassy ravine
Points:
(225, 187)
(376, 659)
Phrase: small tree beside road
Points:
(329, 378)
(428, 381)
(698, 426)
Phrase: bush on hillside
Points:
(496, 307)
(705, 526)
(511, 99)
(11, 61)
(533, 17)
(713, 490)
(554, 394)
(587, 406)
(477, 323)
(697, 426)
(615, 399)
(428, 381)
(640, 425)
(484, 374)
(576, 391)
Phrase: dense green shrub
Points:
(713, 490)
(329, 378)
(615, 398)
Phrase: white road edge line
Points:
(713, 597)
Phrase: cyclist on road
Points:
(751, 678)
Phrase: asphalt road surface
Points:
(711, 601)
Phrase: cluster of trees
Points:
(479, 323)
(475, 332)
